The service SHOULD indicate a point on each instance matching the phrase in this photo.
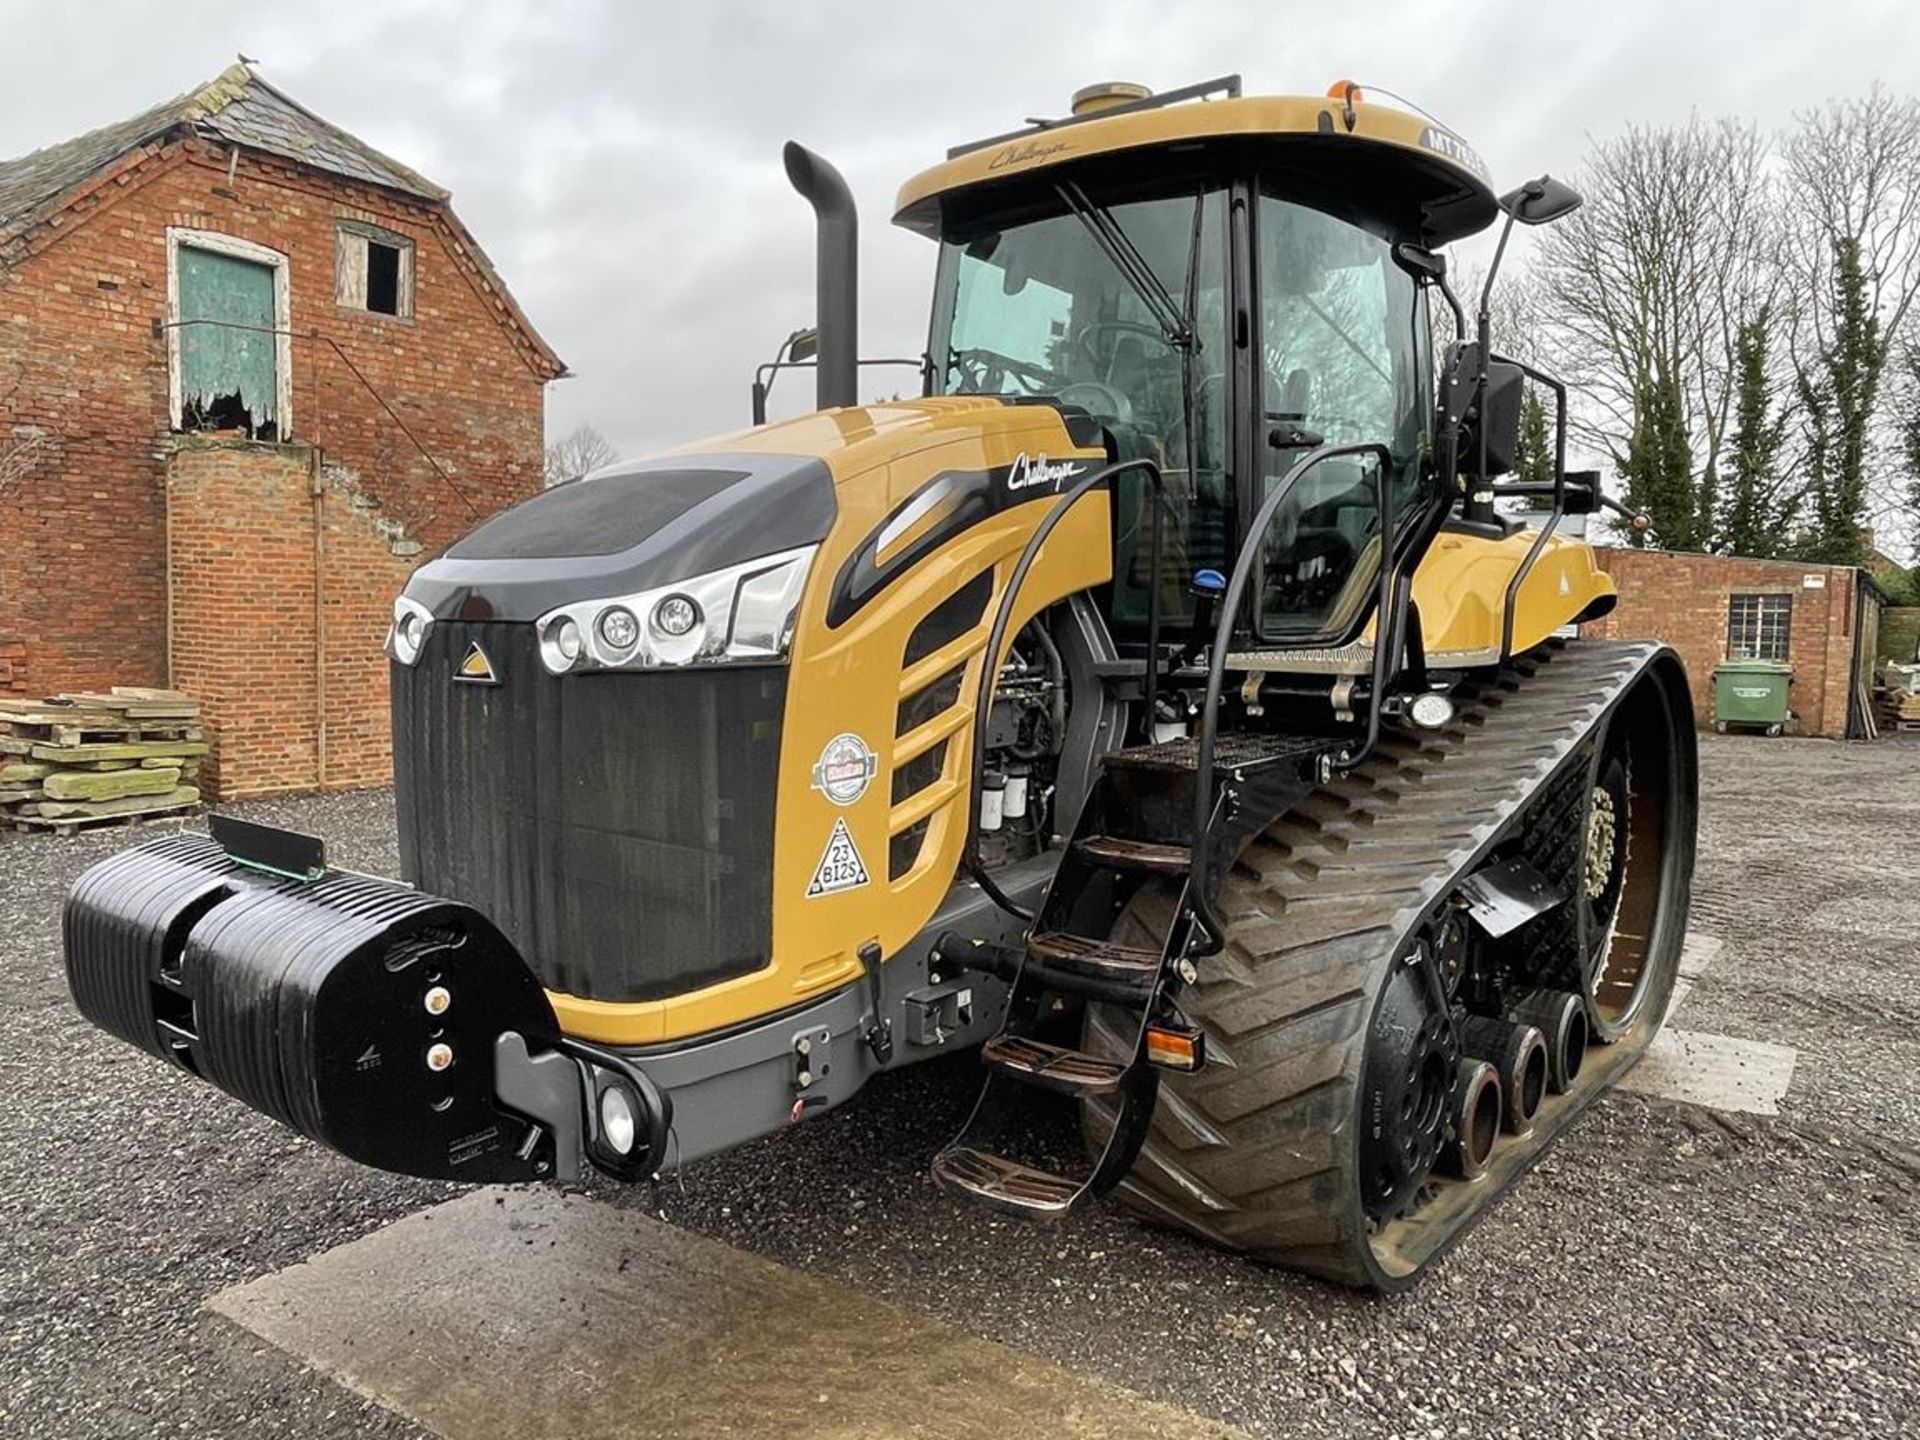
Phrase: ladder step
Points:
(1151, 856)
(1005, 1184)
(1233, 751)
(1053, 1067)
(1061, 953)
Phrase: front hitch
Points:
(401, 1029)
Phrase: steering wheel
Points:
(989, 370)
(1083, 342)
(1106, 403)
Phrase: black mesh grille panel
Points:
(951, 618)
(937, 698)
(910, 777)
(904, 849)
(618, 827)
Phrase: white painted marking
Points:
(1748, 1077)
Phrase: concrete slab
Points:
(533, 1314)
(1698, 953)
(1696, 957)
(1717, 1071)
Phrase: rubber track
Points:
(1255, 1152)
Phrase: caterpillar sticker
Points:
(841, 867)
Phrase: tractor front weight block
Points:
(401, 1029)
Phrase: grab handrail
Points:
(1253, 540)
(1552, 522)
(991, 665)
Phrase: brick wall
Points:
(288, 670)
(13, 665)
(83, 382)
(1682, 599)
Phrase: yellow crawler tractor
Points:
(1164, 704)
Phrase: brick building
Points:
(251, 371)
(1820, 619)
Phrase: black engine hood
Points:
(628, 528)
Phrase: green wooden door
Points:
(227, 374)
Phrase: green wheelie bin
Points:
(1751, 694)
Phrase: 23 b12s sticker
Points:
(841, 867)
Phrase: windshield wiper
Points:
(1133, 268)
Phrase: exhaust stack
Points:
(836, 281)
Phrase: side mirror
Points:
(798, 348)
(1541, 202)
(1496, 415)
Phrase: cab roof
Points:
(1421, 177)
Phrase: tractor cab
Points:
(1222, 303)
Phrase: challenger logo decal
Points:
(1026, 473)
(1025, 152)
(476, 668)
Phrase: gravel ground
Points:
(1665, 1271)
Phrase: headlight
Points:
(618, 628)
(1430, 711)
(412, 623)
(741, 615)
(675, 616)
(619, 1126)
(561, 645)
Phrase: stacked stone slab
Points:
(93, 758)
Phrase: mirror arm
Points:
(1453, 304)
(1477, 508)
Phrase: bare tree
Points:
(580, 450)
(1649, 284)
(1853, 192)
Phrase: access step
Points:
(1060, 953)
(1244, 751)
(1005, 1184)
(1151, 857)
(1053, 1067)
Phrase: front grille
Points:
(617, 826)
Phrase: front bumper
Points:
(398, 1028)
(313, 1001)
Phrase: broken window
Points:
(1759, 627)
(373, 270)
(228, 353)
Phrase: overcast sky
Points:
(621, 163)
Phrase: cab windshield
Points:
(1042, 308)
(1046, 307)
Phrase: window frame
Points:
(363, 233)
(1428, 488)
(1760, 600)
(184, 237)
